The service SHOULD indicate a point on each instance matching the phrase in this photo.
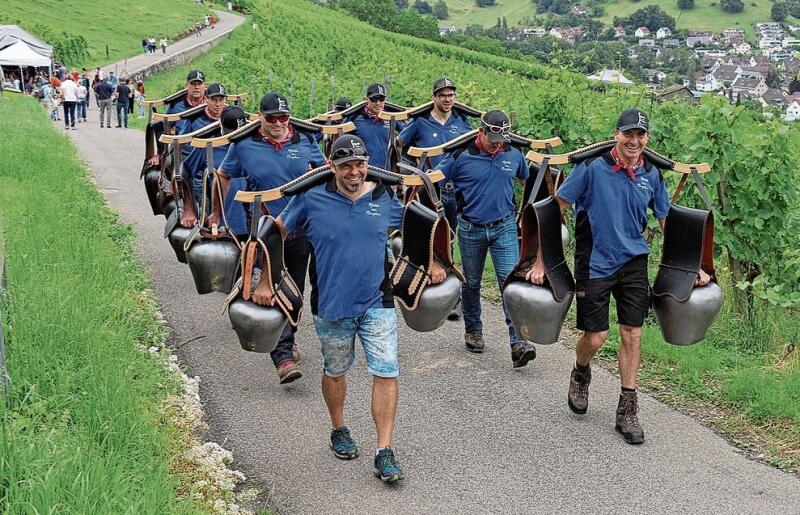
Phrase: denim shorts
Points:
(377, 330)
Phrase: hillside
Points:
(465, 12)
(105, 23)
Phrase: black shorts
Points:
(631, 290)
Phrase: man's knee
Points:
(595, 340)
(630, 334)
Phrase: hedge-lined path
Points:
(473, 435)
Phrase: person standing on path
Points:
(151, 43)
(611, 195)
(347, 220)
(69, 93)
(123, 94)
(371, 129)
(145, 45)
(164, 44)
(82, 94)
(483, 174)
(112, 79)
(105, 99)
(439, 126)
(273, 156)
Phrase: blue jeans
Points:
(377, 330)
(122, 113)
(473, 242)
(448, 198)
(81, 105)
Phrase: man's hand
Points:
(438, 273)
(189, 219)
(154, 160)
(212, 219)
(536, 273)
(702, 279)
(263, 294)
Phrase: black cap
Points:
(274, 103)
(633, 119)
(196, 76)
(374, 90)
(215, 89)
(342, 104)
(443, 83)
(348, 148)
(497, 125)
(232, 118)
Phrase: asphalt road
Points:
(473, 434)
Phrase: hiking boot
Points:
(521, 353)
(342, 445)
(474, 342)
(627, 420)
(386, 467)
(296, 353)
(456, 313)
(578, 395)
(288, 371)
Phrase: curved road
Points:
(473, 435)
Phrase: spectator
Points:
(152, 44)
(112, 79)
(105, 94)
(84, 80)
(123, 95)
(164, 43)
(138, 97)
(213, 19)
(198, 27)
(69, 93)
(145, 46)
(81, 93)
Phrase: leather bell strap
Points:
(543, 174)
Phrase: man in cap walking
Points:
(373, 130)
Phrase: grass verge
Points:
(86, 427)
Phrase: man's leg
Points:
(473, 244)
(66, 115)
(385, 392)
(101, 104)
(630, 351)
(334, 390)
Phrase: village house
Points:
(732, 37)
(706, 82)
(650, 43)
(792, 111)
(742, 48)
(578, 10)
(756, 87)
(774, 98)
(663, 32)
(699, 38)
(642, 32)
(671, 42)
(619, 31)
(568, 34)
(446, 30)
(676, 92)
(727, 73)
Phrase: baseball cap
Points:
(274, 103)
(342, 104)
(215, 89)
(374, 90)
(443, 83)
(196, 76)
(232, 118)
(497, 125)
(633, 119)
(348, 148)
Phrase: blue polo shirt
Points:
(179, 107)
(194, 159)
(426, 131)
(484, 184)
(266, 168)
(375, 136)
(350, 266)
(611, 214)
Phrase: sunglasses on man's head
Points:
(349, 152)
(497, 129)
(272, 118)
(377, 98)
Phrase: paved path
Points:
(473, 435)
(227, 22)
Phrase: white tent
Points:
(10, 33)
(21, 54)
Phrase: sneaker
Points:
(578, 395)
(342, 444)
(521, 353)
(288, 371)
(386, 467)
(74, 128)
(101, 125)
(474, 342)
(627, 418)
(296, 352)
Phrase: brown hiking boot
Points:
(627, 420)
(288, 371)
(578, 395)
(474, 342)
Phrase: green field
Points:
(465, 12)
(119, 26)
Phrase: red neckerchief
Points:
(375, 119)
(480, 147)
(195, 103)
(619, 164)
(211, 116)
(277, 143)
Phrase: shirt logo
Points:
(292, 153)
(506, 166)
(644, 184)
(373, 209)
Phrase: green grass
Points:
(84, 428)
(465, 12)
(120, 26)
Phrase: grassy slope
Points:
(465, 12)
(84, 430)
(121, 26)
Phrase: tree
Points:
(422, 7)
(772, 79)
(780, 10)
(652, 16)
(732, 6)
(440, 10)
(685, 4)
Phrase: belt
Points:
(490, 224)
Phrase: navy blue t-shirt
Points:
(266, 168)
(194, 159)
(350, 265)
(375, 136)
(426, 131)
(484, 184)
(611, 214)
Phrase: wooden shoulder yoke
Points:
(165, 100)
(471, 135)
(581, 154)
(174, 117)
(188, 137)
(320, 175)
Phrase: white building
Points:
(663, 32)
(610, 77)
(792, 112)
(642, 32)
